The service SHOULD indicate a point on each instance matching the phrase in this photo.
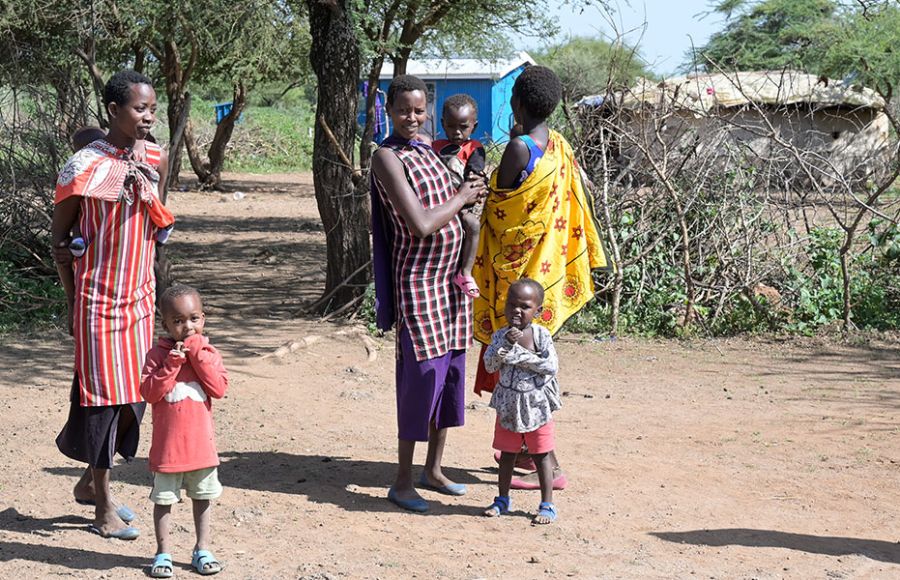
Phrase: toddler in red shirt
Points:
(463, 157)
(180, 376)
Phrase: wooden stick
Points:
(337, 147)
(332, 292)
(343, 308)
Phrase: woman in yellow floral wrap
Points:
(538, 223)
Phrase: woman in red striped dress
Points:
(109, 187)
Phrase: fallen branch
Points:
(371, 347)
(343, 308)
(334, 290)
(293, 346)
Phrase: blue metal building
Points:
(488, 82)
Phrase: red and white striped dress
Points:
(114, 281)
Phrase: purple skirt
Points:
(428, 390)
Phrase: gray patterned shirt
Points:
(528, 390)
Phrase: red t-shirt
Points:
(179, 390)
(471, 153)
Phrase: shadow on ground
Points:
(827, 545)
(857, 375)
(72, 558)
(339, 481)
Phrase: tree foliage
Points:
(588, 66)
(211, 42)
(397, 29)
(766, 35)
(864, 47)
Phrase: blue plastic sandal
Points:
(499, 507)
(128, 533)
(414, 505)
(163, 563)
(203, 558)
(545, 510)
(123, 511)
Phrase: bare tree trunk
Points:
(224, 130)
(400, 63)
(177, 112)
(343, 203)
(618, 277)
(140, 58)
(163, 267)
(176, 139)
(177, 75)
(208, 168)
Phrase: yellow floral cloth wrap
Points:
(543, 230)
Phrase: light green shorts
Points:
(200, 484)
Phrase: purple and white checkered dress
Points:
(436, 312)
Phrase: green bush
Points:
(30, 302)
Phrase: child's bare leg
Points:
(532, 478)
(403, 485)
(203, 561)
(437, 439)
(544, 465)
(105, 518)
(472, 226)
(201, 523)
(545, 475)
(161, 516)
(507, 464)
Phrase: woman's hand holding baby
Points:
(474, 189)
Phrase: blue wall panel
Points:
(492, 97)
(502, 119)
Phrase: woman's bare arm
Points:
(64, 215)
(421, 222)
(514, 161)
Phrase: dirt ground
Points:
(706, 459)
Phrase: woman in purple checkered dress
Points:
(417, 240)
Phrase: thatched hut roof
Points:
(701, 93)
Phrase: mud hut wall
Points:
(841, 141)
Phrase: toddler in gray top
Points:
(526, 395)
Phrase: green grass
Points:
(276, 139)
(272, 140)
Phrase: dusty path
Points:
(733, 459)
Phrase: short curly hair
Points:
(404, 84)
(530, 283)
(539, 91)
(118, 87)
(177, 291)
(457, 102)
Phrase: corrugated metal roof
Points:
(700, 93)
(471, 68)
